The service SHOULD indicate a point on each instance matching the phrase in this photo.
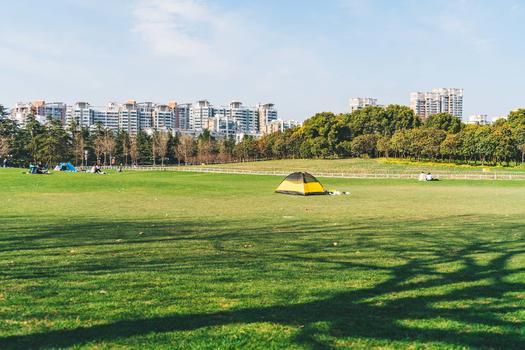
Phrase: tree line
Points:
(395, 131)
(392, 131)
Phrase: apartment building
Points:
(181, 117)
(81, 113)
(54, 110)
(162, 117)
(200, 111)
(40, 110)
(478, 119)
(280, 125)
(108, 117)
(443, 100)
(145, 114)
(357, 103)
(267, 114)
(222, 125)
(129, 117)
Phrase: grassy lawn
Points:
(357, 165)
(172, 260)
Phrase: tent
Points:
(35, 169)
(302, 184)
(66, 167)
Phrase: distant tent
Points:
(302, 184)
(66, 167)
(35, 169)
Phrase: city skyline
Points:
(271, 51)
(234, 119)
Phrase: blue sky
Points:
(305, 56)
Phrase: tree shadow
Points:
(404, 307)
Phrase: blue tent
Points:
(66, 167)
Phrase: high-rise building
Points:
(162, 117)
(145, 110)
(20, 112)
(444, 100)
(40, 110)
(108, 117)
(181, 118)
(81, 113)
(357, 103)
(200, 111)
(222, 125)
(54, 110)
(129, 117)
(267, 114)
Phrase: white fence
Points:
(333, 174)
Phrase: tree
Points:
(450, 147)
(185, 149)
(288, 144)
(134, 150)
(485, 146)
(517, 117)
(109, 145)
(364, 145)
(369, 120)
(5, 146)
(160, 145)
(123, 146)
(206, 147)
(2, 112)
(445, 122)
(226, 147)
(504, 143)
(18, 139)
(54, 142)
(402, 142)
(426, 142)
(399, 117)
(384, 146)
(34, 131)
(99, 147)
(468, 141)
(79, 148)
(79, 135)
(246, 149)
(520, 141)
(144, 147)
(321, 133)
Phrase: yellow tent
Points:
(302, 184)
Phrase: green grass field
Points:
(172, 260)
(358, 165)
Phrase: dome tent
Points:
(66, 167)
(301, 183)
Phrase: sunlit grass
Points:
(179, 260)
(358, 165)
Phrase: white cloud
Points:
(191, 30)
(230, 50)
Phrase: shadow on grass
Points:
(404, 307)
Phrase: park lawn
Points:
(166, 260)
(359, 165)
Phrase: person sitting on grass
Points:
(97, 169)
